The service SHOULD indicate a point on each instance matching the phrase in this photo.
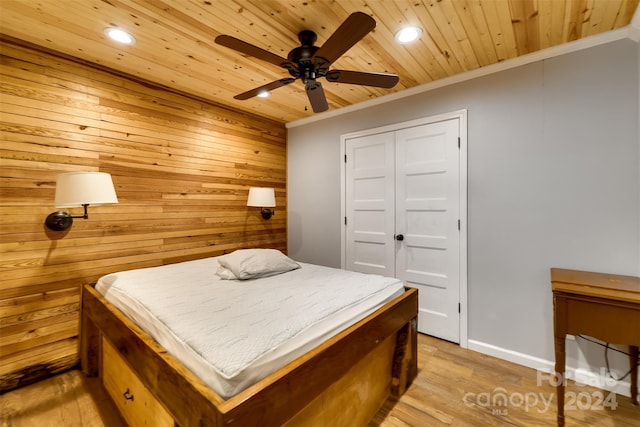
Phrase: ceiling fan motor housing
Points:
(308, 67)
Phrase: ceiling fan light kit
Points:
(308, 62)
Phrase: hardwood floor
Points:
(454, 387)
(457, 387)
(68, 399)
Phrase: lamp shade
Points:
(261, 197)
(75, 189)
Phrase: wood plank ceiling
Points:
(175, 39)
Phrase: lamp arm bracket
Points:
(60, 221)
(85, 215)
(267, 213)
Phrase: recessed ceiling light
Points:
(119, 35)
(408, 34)
(264, 94)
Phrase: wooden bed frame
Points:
(343, 381)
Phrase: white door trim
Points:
(462, 116)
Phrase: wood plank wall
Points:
(181, 166)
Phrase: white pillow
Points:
(254, 263)
(225, 273)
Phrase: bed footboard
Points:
(377, 353)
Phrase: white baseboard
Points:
(581, 374)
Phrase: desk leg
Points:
(633, 361)
(559, 334)
(560, 366)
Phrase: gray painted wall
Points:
(553, 181)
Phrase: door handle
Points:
(398, 237)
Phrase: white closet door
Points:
(402, 207)
(370, 204)
(427, 214)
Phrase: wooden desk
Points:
(603, 306)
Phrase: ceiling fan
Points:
(308, 62)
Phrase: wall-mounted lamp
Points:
(75, 189)
(264, 198)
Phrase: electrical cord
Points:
(606, 357)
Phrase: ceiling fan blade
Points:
(316, 96)
(366, 79)
(264, 88)
(352, 30)
(251, 50)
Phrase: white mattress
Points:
(233, 333)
